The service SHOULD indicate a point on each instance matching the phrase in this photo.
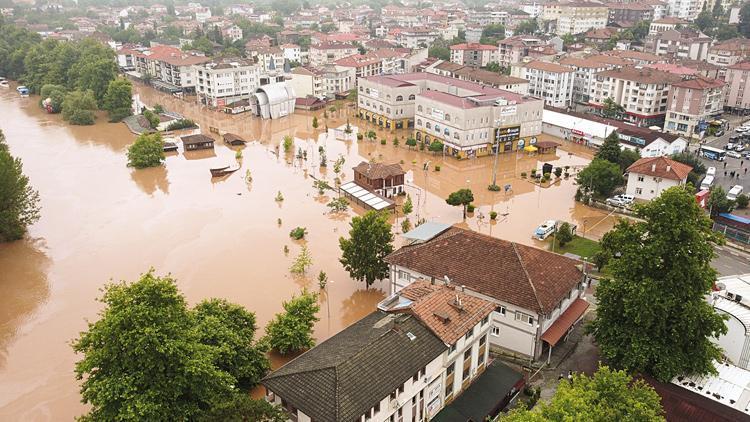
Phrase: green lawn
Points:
(585, 248)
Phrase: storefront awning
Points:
(530, 148)
(574, 312)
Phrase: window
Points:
(419, 108)
(500, 310)
(520, 316)
(495, 331)
(640, 178)
(451, 369)
(452, 348)
(411, 97)
(428, 125)
(399, 98)
(367, 90)
(469, 334)
(482, 341)
(419, 122)
(447, 117)
(638, 191)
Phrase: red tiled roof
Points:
(561, 326)
(473, 46)
(741, 66)
(436, 306)
(660, 167)
(681, 404)
(378, 170)
(700, 83)
(547, 67)
(173, 56)
(521, 275)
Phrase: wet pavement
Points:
(103, 221)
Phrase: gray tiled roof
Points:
(346, 375)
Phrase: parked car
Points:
(729, 146)
(739, 147)
(622, 201)
(711, 171)
(734, 154)
(741, 129)
(707, 182)
(719, 132)
(545, 229)
(734, 192)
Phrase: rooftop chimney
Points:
(669, 168)
(653, 167)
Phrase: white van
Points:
(711, 171)
(734, 192)
(707, 182)
(545, 229)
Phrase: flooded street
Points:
(103, 221)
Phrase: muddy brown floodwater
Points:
(103, 221)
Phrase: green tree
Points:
(56, 96)
(439, 50)
(288, 143)
(699, 169)
(436, 146)
(492, 33)
(143, 359)
(19, 202)
(303, 260)
(230, 329)
(78, 108)
(705, 21)
(315, 122)
(606, 396)
(240, 407)
(527, 27)
(744, 25)
(411, 142)
(718, 202)
(717, 11)
(96, 75)
(612, 110)
(600, 176)
(725, 32)
(742, 201)
(118, 99)
(652, 315)
(564, 234)
(461, 197)
(627, 158)
(146, 151)
(370, 241)
(292, 330)
(153, 118)
(408, 206)
(610, 149)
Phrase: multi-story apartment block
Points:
(512, 50)
(328, 52)
(338, 79)
(306, 82)
(477, 55)
(169, 66)
(224, 81)
(680, 44)
(659, 7)
(232, 32)
(586, 69)
(417, 37)
(629, 12)
(468, 118)
(685, 9)
(642, 92)
(416, 353)
(692, 104)
(729, 52)
(549, 81)
(576, 17)
(665, 24)
(292, 52)
(534, 306)
(485, 77)
(738, 90)
(271, 59)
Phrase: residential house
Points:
(629, 12)
(338, 80)
(169, 67)
(680, 44)
(477, 55)
(232, 32)
(649, 177)
(513, 49)
(196, 142)
(738, 92)
(692, 104)
(600, 37)
(729, 52)
(538, 295)
(418, 351)
(642, 92)
(306, 82)
(292, 52)
(666, 24)
(684, 9)
(637, 57)
(330, 52)
(384, 179)
(416, 37)
(549, 81)
(659, 7)
(484, 77)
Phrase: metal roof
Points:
(374, 201)
(426, 231)
(730, 387)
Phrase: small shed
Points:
(309, 103)
(196, 142)
(384, 179)
(233, 139)
(237, 107)
(546, 147)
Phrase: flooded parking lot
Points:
(219, 237)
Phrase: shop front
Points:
(506, 139)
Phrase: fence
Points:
(732, 233)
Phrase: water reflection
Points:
(23, 287)
(150, 180)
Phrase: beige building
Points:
(327, 52)
(665, 24)
(691, 102)
(306, 82)
(468, 118)
(549, 81)
(417, 37)
(484, 77)
(642, 92)
(576, 17)
(680, 44)
(729, 52)
(474, 54)
(513, 50)
(738, 90)
(586, 69)
(224, 81)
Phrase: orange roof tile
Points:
(660, 167)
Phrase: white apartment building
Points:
(222, 82)
(404, 362)
(169, 66)
(202, 14)
(307, 81)
(338, 79)
(642, 92)
(665, 24)
(328, 52)
(530, 316)
(232, 32)
(470, 54)
(292, 52)
(549, 81)
(681, 44)
(649, 177)
(417, 37)
(576, 17)
(684, 9)
(586, 69)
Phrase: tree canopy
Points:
(462, 197)
(118, 99)
(606, 396)
(652, 315)
(146, 151)
(610, 149)
(370, 241)
(150, 357)
(600, 176)
(19, 202)
(292, 330)
(78, 108)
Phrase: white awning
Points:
(361, 194)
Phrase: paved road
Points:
(724, 170)
(730, 261)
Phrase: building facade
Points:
(328, 52)
(224, 81)
(549, 81)
(692, 104)
(576, 17)
(649, 177)
(738, 91)
(477, 55)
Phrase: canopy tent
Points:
(530, 148)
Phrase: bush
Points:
(533, 172)
(360, 136)
(436, 146)
(742, 201)
(493, 188)
(558, 172)
(158, 109)
(470, 208)
(493, 215)
(437, 167)
(523, 175)
(298, 233)
(56, 96)
(288, 143)
(146, 151)
(395, 141)
(421, 146)
(153, 118)
(78, 108)
(182, 124)
(383, 141)
(564, 234)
